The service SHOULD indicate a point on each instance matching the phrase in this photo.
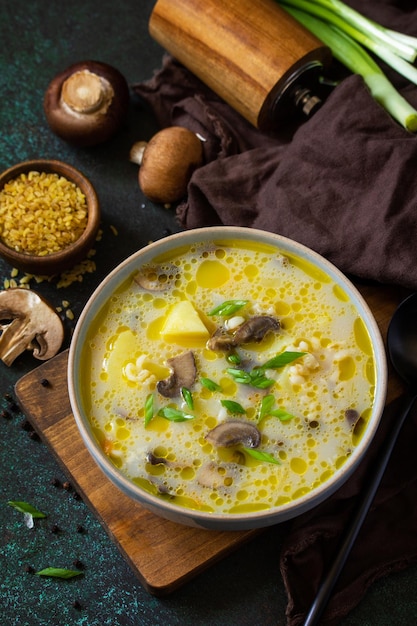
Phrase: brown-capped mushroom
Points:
(183, 375)
(167, 162)
(28, 322)
(221, 341)
(234, 432)
(253, 330)
(87, 103)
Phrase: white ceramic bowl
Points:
(164, 507)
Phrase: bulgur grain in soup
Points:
(41, 213)
(228, 378)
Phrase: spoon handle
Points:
(328, 583)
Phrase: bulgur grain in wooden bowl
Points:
(49, 216)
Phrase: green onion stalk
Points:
(359, 27)
(346, 33)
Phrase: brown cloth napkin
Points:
(344, 184)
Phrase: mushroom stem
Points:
(86, 92)
(137, 151)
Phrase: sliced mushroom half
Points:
(28, 322)
(183, 374)
(233, 433)
(253, 330)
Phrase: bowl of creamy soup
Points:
(227, 378)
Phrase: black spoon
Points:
(402, 348)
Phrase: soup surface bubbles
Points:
(228, 377)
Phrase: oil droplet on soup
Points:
(187, 391)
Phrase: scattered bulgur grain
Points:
(76, 273)
(69, 314)
(114, 230)
(41, 213)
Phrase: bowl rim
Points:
(222, 520)
(73, 174)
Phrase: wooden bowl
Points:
(67, 257)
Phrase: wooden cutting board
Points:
(164, 555)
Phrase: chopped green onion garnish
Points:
(149, 410)
(255, 378)
(210, 384)
(262, 456)
(58, 572)
(188, 398)
(266, 409)
(25, 507)
(229, 307)
(240, 376)
(266, 406)
(283, 415)
(233, 407)
(175, 415)
(280, 360)
(259, 380)
(233, 358)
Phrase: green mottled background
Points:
(37, 40)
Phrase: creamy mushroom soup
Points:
(228, 378)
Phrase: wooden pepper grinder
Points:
(253, 54)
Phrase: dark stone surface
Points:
(38, 40)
